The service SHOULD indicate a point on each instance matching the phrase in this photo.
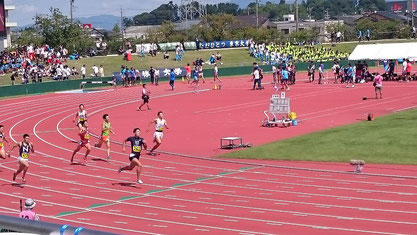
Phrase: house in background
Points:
(5, 38)
(243, 21)
(288, 25)
(139, 32)
(96, 34)
(386, 15)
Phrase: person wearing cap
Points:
(28, 213)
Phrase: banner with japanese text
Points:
(179, 72)
(223, 44)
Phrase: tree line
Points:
(308, 9)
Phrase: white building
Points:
(6, 41)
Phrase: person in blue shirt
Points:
(123, 75)
(284, 81)
(172, 79)
(368, 35)
(349, 75)
(360, 35)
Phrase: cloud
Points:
(27, 9)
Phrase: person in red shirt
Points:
(188, 73)
(84, 142)
(408, 70)
(378, 86)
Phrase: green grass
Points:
(388, 140)
(230, 58)
(350, 46)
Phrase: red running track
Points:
(186, 189)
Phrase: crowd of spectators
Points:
(276, 53)
(34, 63)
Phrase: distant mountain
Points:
(106, 22)
(245, 3)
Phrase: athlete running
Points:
(195, 80)
(81, 115)
(137, 143)
(84, 142)
(188, 73)
(160, 124)
(105, 134)
(2, 141)
(201, 73)
(25, 148)
(145, 97)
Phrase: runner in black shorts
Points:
(145, 97)
(137, 143)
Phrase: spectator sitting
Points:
(74, 72)
(28, 213)
(166, 55)
(218, 56)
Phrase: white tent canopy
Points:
(386, 51)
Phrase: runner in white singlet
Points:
(81, 115)
(160, 125)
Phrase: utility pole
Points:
(410, 2)
(296, 15)
(121, 22)
(257, 14)
(72, 11)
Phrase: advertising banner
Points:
(171, 46)
(223, 44)
(162, 73)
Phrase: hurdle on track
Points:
(82, 85)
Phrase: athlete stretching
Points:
(160, 124)
(84, 142)
(81, 115)
(2, 141)
(137, 143)
(105, 134)
(25, 147)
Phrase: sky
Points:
(27, 9)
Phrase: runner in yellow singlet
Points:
(105, 134)
(3, 140)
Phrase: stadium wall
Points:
(44, 87)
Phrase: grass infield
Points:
(387, 140)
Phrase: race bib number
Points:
(25, 155)
(160, 129)
(1, 145)
(137, 149)
(87, 136)
(82, 119)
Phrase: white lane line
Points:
(235, 217)
(85, 223)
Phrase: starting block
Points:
(358, 165)
(217, 87)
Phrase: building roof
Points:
(183, 24)
(249, 21)
(348, 19)
(140, 29)
(94, 31)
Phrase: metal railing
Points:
(40, 227)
